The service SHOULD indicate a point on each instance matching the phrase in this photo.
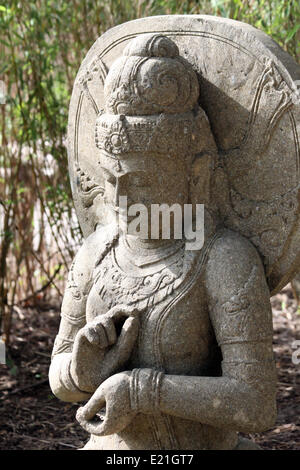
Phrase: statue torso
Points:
(169, 292)
(176, 336)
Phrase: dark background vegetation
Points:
(42, 44)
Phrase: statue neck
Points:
(136, 255)
(140, 244)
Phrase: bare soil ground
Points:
(32, 418)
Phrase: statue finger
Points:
(119, 311)
(103, 338)
(96, 335)
(109, 425)
(109, 329)
(92, 335)
(128, 337)
(93, 425)
(122, 349)
(96, 403)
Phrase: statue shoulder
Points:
(90, 254)
(80, 276)
(237, 292)
(233, 261)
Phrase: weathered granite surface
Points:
(173, 348)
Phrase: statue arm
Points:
(73, 318)
(86, 354)
(244, 396)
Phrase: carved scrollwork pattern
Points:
(88, 187)
(240, 315)
(266, 223)
(115, 287)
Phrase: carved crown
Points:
(151, 98)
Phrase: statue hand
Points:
(114, 395)
(99, 352)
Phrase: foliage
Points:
(42, 45)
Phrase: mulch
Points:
(32, 418)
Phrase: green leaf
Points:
(292, 33)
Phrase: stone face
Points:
(171, 348)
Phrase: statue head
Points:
(149, 130)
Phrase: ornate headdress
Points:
(151, 98)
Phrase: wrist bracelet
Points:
(145, 390)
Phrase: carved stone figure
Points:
(171, 348)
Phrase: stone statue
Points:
(170, 348)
